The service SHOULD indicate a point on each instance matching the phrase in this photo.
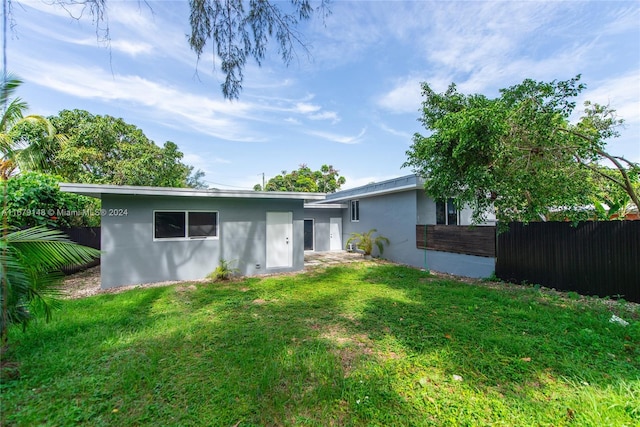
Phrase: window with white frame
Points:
(185, 224)
(446, 212)
(355, 210)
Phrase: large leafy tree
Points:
(517, 153)
(325, 180)
(235, 30)
(107, 150)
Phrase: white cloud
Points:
(405, 97)
(133, 28)
(326, 115)
(342, 139)
(163, 102)
(621, 93)
(305, 108)
(395, 132)
(300, 108)
(292, 120)
(131, 48)
(201, 162)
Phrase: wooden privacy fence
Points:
(479, 240)
(85, 236)
(593, 258)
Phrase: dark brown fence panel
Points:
(479, 240)
(85, 236)
(593, 258)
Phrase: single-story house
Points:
(400, 210)
(152, 234)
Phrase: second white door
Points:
(335, 234)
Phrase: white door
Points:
(335, 234)
(279, 239)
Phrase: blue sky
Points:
(353, 103)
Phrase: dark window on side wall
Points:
(452, 213)
(169, 225)
(446, 212)
(355, 210)
(203, 224)
(185, 224)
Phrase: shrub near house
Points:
(34, 198)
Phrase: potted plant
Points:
(366, 241)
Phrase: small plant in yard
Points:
(492, 278)
(366, 241)
(573, 295)
(224, 271)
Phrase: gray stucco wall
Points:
(322, 218)
(131, 256)
(395, 216)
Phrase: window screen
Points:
(446, 212)
(355, 210)
(203, 224)
(169, 225)
(441, 217)
(452, 213)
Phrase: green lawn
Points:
(367, 343)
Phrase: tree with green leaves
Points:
(235, 30)
(107, 150)
(517, 153)
(325, 180)
(611, 200)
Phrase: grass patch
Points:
(361, 344)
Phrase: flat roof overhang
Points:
(97, 190)
(315, 205)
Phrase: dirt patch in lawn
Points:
(87, 283)
(83, 284)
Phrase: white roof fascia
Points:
(316, 205)
(355, 196)
(97, 190)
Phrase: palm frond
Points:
(30, 261)
(16, 285)
(8, 87)
(46, 249)
(12, 114)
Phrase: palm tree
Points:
(365, 241)
(30, 260)
(34, 155)
(30, 263)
